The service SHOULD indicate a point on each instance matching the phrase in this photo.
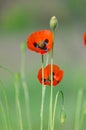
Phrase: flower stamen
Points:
(42, 44)
(49, 78)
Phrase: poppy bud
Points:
(23, 46)
(53, 22)
(62, 116)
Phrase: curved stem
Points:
(55, 104)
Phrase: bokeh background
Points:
(17, 20)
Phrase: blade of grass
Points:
(4, 116)
(16, 83)
(24, 84)
(18, 102)
(78, 109)
(83, 115)
(7, 106)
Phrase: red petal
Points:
(84, 37)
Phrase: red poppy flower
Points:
(84, 37)
(40, 41)
(57, 75)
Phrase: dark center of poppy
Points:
(49, 78)
(42, 44)
(85, 40)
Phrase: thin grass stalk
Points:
(7, 106)
(78, 109)
(25, 88)
(4, 116)
(16, 97)
(82, 120)
(18, 103)
(83, 115)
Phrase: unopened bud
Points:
(62, 116)
(53, 22)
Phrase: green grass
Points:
(34, 88)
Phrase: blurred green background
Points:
(17, 20)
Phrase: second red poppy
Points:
(57, 75)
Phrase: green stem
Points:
(51, 93)
(25, 87)
(54, 111)
(83, 115)
(78, 108)
(81, 121)
(43, 94)
(43, 90)
(4, 116)
(18, 103)
(47, 58)
(7, 106)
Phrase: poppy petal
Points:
(84, 37)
